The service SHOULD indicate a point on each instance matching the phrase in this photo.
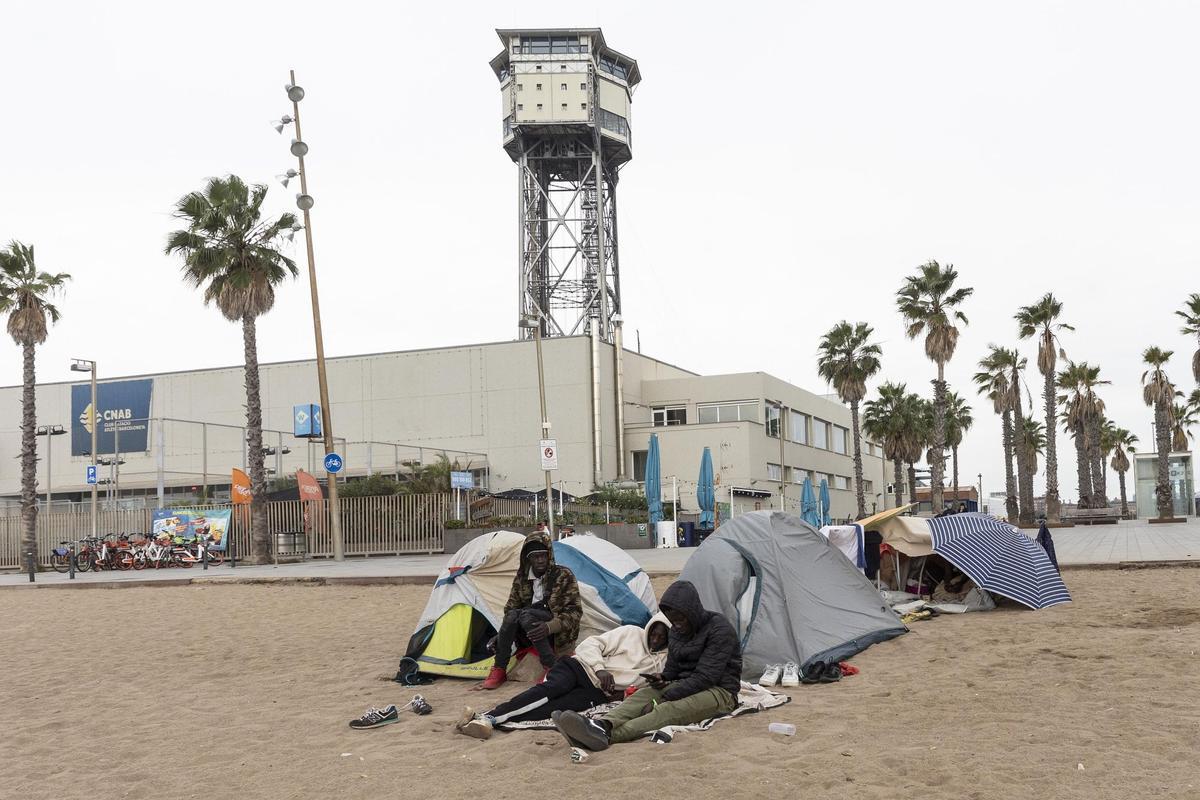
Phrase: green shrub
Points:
(454, 524)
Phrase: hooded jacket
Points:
(623, 651)
(561, 598)
(710, 655)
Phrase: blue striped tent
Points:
(999, 558)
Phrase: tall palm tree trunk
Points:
(1010, 481)
(858, 465)
(954, 461)
(1083, 466)
(1124, 503)
(29, 510)
(260, 537)
(937, 469)
(1053, 503)
(898, 481)
(1162, 435)
(1024, 464)
(912, 483)
(1099, 474)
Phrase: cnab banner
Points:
(239, 490)
(187, 523)
(309, 488)
(124, 407)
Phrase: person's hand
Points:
(538, 632)
(608, 684)
(656, 681)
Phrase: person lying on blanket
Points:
(700, 679)
(602, 667)
(543, 610)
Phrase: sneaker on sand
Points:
(771, 675)
(376, 718)
(584, 732)
(791, 674)
(495, 679)
(470, 724)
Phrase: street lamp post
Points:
(85, 365)
(304, 202)
(536, 325)
(49, 431)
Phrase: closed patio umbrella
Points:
(808, 504)
(705, 495)
(654, 482)
(826, 519)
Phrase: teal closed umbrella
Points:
(705, 494)
(825, 518)
(808, 504)
(654, 482)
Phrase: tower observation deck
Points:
(565, 100)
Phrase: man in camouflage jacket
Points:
(543, 610)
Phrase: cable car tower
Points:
(565, 104)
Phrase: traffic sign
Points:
(462, 480)
(549, 451)
(92, 478)
(333, 463)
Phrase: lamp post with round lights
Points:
(304, 202)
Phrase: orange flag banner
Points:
(308, 486)
(240, 491)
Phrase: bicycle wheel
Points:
(139, 559)
(83, 561)
(122, 560)
(215, 557)
(60, 563)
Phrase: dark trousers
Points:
(567, 688)
(514, 630)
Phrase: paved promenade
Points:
(1128, 544)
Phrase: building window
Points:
(563, 66)
(842, 482)
(773, 473)
(539, 87)
(538, 67)
(520, 86)
(564, 106)
(539, 107)
(520, 106)
(820, 434)
(774, 418)
(583, 87)
(583, 106)
(639, 465)
(669, 415)
(797, 427)
(799, 474)
(614, 68)
(868, 488)
(840, 435)
(614, 122)
(728, 412)
(563, 86)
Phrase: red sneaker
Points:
(495, 679)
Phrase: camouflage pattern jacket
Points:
(561, 597)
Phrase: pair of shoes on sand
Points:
(474, 725)
(820, 672)
(389, 714)
(785, 674)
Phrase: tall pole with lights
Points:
(84, 365)
(304, 202)
(536, 324)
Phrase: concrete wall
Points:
(626, 537)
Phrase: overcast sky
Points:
(791, 164)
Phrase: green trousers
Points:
(630, 723)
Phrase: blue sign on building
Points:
(91, 474)
(123, 417)
(462, 480)
(306, 421)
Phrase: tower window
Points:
(538, 68)
(539, 106)
(562, 66)
(563, 87)
(583, 87)
(583, 106)
(520, 106)
(539, 87)
(564, 106)
(520, 86)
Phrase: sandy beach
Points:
(245, 691)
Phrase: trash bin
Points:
(701, 534)
(665, 535)
(687, 534)
(290, 543)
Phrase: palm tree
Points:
(1083, 416)
(1158, 393)
(958, 422)
(886, 420)
(847, 359)
(1016, 367)
(1183, 417)
(929, 303)
(993, 382)
(25, 296)
(230, 251)
(1041, 320)
(1120, 442)
(1191, 327)
(1033, 437)
(920, 414)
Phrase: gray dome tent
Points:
(791, 595)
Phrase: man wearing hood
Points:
(602, 667)
(543, 610)
(700, 679)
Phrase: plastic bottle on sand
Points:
(786, 728)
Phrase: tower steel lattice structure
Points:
(566, 102)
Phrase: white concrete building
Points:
(481, 401)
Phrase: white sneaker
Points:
(770, 676)
(791, 674)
